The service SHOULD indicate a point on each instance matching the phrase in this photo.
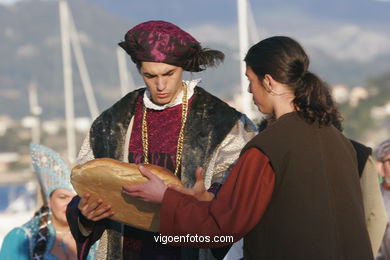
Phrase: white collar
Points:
(190, 91)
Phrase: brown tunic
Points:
(316, 211)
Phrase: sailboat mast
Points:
(68, 83)
(35, 111)
(123, 74)
(242, 9)
(80, 61)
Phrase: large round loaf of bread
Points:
(104, 178)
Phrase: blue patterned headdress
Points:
(50, 169)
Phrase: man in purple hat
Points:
(172, 123)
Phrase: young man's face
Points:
(164, 81)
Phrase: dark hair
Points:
(285, 60)
(203, 58)
(41, 238)
(267, 120)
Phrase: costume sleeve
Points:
(374, 208)
(239, 206)
(226, 154)
(15, 245)
(84, 243)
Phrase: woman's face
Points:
(58, 202)
(259, 93)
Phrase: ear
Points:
(268, 82)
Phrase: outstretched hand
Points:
(198, 190)
(151, 191)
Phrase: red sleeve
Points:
(239, 205)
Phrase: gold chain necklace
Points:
(180, 141)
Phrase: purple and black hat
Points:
(160, 41)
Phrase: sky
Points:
(329, 25)
(8, 1)
(356, 30)
(224, 11)
(347, 30)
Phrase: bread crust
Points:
(103, 178)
